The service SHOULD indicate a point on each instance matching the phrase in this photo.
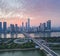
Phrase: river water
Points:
(24, 53)
(21, 53)
(52, 34)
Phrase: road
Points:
(40, 44)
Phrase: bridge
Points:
(42, 46)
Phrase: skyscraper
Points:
(0, 27)
(16, 28)
(22, 26)
(49, 24)
(12, 28)
(26, 25)
(42, 26)
(28, 22)
(4, 27)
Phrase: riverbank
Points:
(55, 48)
(18, 49)
(25, 49)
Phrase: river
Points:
(24, 53)
(52, 34)
(21, 53)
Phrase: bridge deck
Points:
(45, 48)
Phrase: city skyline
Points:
(39, 11)
(14, 28)
(23, 24)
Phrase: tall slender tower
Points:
(4, 27)
(28, 23)
(22, 26)
(0, 27)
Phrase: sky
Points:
(39, 11)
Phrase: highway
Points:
(40, 44)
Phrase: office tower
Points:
(22, 26)
(28, 23)
(49, 24)
(42, 26)
(16, 28)
(39, 28)
(0, 27)
(4, 27)
(12, 28)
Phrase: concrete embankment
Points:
(19, 49)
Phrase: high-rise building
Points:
(12, 28)
(16, 28)
(49, 24)
(0, 27)
(42, 26)
(4, 27)
(28, 23)
(22, 26)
